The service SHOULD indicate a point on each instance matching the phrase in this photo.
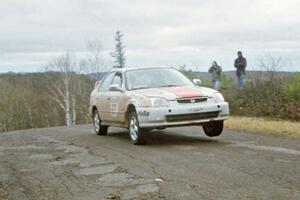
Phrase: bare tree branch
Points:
(56, 98)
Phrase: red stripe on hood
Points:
(183, 92)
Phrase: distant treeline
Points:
(30, 100)
(26, 100)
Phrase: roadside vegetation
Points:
(264, 126)
(277, 98)
(28, 100)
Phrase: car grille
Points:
(194, 100)
(192, 116)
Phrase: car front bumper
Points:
(182, 115)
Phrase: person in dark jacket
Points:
(240, 64)
(215, 70)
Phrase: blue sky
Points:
(170, 32)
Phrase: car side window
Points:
(104, 86)
(118, 79)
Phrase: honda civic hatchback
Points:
(144, 99)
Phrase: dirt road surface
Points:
(180, 163)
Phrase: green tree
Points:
(119, 53)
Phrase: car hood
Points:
(172, 93)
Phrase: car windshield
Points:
(154, 78)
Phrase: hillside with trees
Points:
(33, 100)
(61, 97)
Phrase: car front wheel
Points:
(98, 127)
(137, 135)
(213, 129)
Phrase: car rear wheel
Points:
(137, 135)
(213, 129)
(98, 127)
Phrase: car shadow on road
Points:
(169, 138)
(157, 138)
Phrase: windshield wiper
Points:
(170, 85)
(141, 87)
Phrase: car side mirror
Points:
(97, 83)
(115, 87)
(197, 81)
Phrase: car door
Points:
(102, 100)
(116, 98)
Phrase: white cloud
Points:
(156, 32)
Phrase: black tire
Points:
(138, 136)
(99, 129)
(213, 129)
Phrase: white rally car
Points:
(143, 99)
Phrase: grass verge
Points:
(264, 126)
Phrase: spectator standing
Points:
(240, 64)
(215, 70)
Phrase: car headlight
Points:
(218, 97)
(155, 102)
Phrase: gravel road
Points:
(180, 163)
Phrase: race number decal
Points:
(114, 109)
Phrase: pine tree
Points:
(119, 53)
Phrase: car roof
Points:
(138, 68)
